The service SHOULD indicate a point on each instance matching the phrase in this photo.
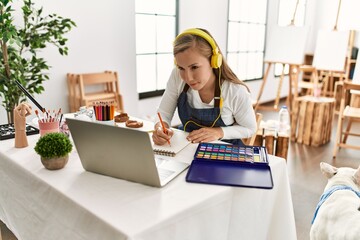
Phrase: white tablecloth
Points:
(71, 203)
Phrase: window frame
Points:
(157, 92)
(248, 51)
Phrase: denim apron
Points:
(205, 117)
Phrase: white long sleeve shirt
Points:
(237, 111)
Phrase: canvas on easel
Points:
(331, 52)
(286, 45)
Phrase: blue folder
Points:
(209, 169)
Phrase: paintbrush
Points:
(37, 114)
(29, 95)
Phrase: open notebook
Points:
(178, 142)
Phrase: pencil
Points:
(163, 127)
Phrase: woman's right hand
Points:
(160, 137)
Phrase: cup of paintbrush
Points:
(48, 123)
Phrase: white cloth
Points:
(71, 203)
(237, 107)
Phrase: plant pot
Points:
(55, 163)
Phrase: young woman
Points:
(212, 102)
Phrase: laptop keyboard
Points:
(159, 161)
(164, 173)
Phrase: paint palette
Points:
(227, 152)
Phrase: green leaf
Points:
(53, 145)
(23, 44)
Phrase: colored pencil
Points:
(163, 127)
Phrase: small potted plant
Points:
(54, 149)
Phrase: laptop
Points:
(122, 153)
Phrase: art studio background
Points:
(105, 39)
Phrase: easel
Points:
(293, 76)
(294, 65)
(342, 74)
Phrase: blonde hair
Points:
(189, 40)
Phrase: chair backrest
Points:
(87, 88)
(348, 89)
(107, 81)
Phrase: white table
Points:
(71, 203)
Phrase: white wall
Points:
(104, 39)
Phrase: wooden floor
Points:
(306, 181)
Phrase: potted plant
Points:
(19, 48)
(54, 149)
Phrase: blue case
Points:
(231, 165)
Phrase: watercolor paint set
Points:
(231, 165)
(227, 152)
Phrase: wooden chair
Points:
(312, 84)
(87, 88)
(347, 113)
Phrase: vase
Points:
(55, 163)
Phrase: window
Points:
(290, 10)
(155, 32)
(246, 38)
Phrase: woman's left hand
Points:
(205, 135)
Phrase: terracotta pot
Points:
(55, 163)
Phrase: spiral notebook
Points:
(178, 142)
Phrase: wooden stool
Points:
(311, 121)
(276, 143)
